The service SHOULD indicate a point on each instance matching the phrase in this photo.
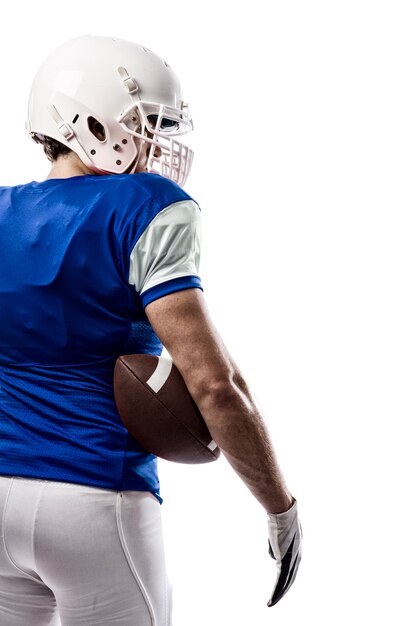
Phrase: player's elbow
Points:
(216, 393)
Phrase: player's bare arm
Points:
(183, 324)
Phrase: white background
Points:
(305, 170)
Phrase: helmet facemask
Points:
(157, 127)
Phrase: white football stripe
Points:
(160, 375)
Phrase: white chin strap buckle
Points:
(129, 83)
(63, 127)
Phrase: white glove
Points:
(285, 537)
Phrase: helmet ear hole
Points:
(96, 128)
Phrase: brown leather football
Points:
(158, 411)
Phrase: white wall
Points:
(306, 148)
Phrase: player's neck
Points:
(68, 165)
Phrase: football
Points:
(157, 409)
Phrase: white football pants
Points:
(74, 555)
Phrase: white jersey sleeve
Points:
(166, 256)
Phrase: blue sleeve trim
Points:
(169, 286)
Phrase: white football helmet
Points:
(116, 104)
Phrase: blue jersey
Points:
(81, 258)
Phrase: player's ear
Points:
(96, 128)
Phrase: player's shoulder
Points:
(147, 187)
(138, 200)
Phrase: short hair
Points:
(52, 148)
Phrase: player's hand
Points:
(285, 538)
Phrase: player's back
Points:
(69, 308)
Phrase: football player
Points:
(101, 259)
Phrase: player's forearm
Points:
(237, 427)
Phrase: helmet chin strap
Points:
(68, 134)
(134, 165)
(132, 168)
